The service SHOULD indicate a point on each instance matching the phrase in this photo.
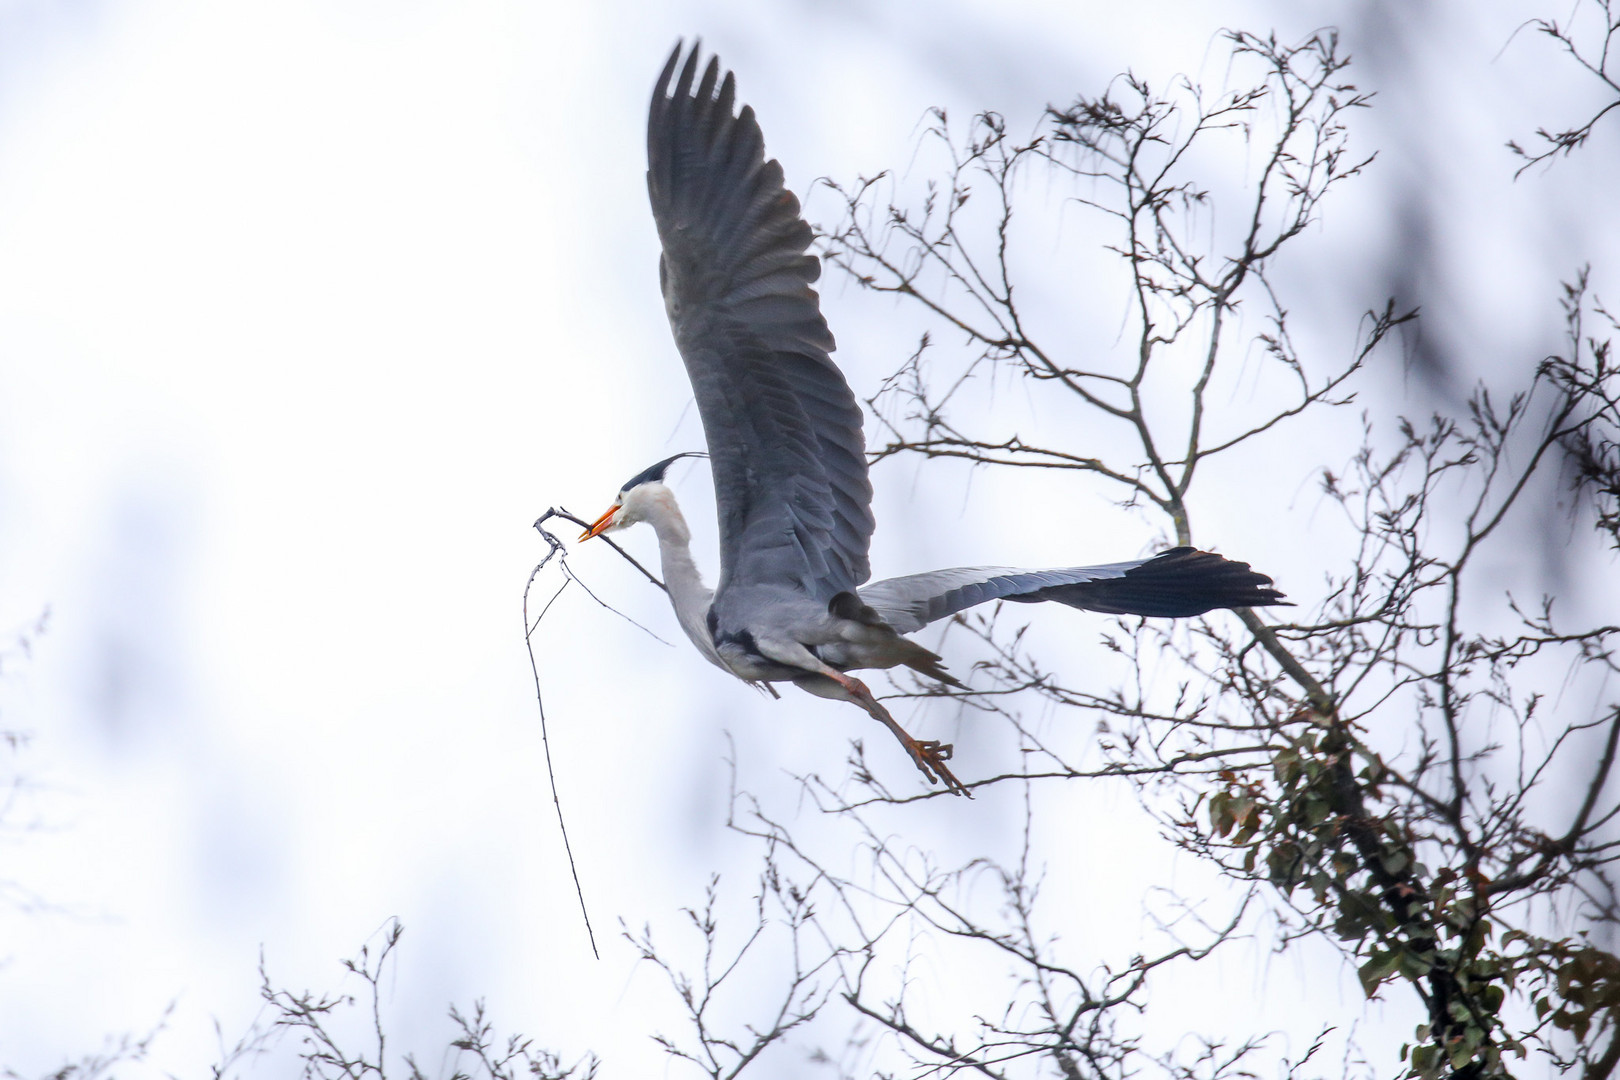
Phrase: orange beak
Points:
(599, 524)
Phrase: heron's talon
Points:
(930, 756)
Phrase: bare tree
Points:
(21, 819)
(1592, 48)
(803, 976)
(344, 1036)
(1417, 769)
(18, 812)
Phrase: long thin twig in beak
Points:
(599, 524)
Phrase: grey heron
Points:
(786, 448)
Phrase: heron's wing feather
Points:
(1176, 583)
(783, 428)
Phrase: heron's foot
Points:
(929, 755)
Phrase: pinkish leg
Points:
(928, 754)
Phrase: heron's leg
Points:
(928, 754)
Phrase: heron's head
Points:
(636, 500)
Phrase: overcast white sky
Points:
(308, 309)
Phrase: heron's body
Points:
(787, 452)
(772, 648)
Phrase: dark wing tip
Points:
(1205, 580)
(1177, 583)
(664, 93)
(669, 69)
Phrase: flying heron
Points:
(787, 453)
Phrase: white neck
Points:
(687, 594)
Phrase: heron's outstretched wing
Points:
(1176, 583)
(783, 428)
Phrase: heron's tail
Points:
(928, 663)
(896, 648)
